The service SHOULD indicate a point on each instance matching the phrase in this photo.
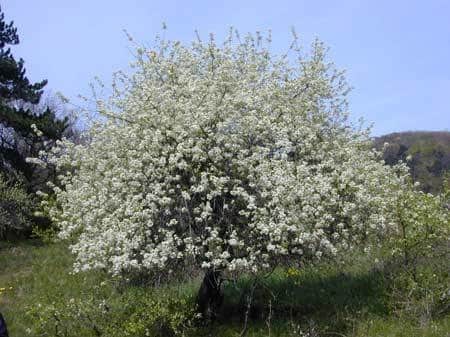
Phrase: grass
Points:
(37, 273)
(351, 298)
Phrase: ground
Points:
(351, 298)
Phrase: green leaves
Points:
(16, 209)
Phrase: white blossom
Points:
(228, 154)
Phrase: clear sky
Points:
(396, 53)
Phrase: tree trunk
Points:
(210, 295)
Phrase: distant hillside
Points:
(430, 155)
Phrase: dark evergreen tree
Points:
(18, 99)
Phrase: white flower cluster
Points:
(222, 155)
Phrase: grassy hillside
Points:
(429, 155)
(355, 297)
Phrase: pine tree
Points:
(18, 101)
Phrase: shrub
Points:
(419, 269)
(16, 207)
(135, 313)
(161, 315)
(423, 227)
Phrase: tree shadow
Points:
(330, 298)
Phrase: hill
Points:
(429, 153)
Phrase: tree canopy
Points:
(225, 156)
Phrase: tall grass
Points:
(349, 298)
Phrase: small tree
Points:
(226, 157)
(424, 226)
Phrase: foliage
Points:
(419, 284)
(423, 295)
(49, 232)
(227, 157)
(427, 154)
(159, 315)
(15, 85)
(424, 226)
(16, 209)
(140, 314)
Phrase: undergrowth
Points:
(359, 296)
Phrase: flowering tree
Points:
(224, 156)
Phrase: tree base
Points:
(210, 295)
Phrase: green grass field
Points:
(347, 299)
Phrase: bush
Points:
(16, 208)
(419, 268)
(137, 312)
(423, 223)
(160, 315)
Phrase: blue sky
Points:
(396, 53)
